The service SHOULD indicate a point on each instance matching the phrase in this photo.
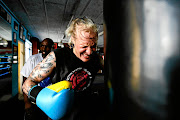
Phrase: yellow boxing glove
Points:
(60, 86)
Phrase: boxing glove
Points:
(55, 100)
(46, 82)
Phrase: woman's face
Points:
(84, 44)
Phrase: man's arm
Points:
(41, 71)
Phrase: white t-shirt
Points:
(30, 64)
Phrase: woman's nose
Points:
(89, 51)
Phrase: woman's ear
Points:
(72, 40)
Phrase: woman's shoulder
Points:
(63, 53)
(59, 50)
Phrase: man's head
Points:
(83, 35)
(45, 46)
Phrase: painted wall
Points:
(19, 33)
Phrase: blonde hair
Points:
(85, 23)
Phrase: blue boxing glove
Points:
(55, 100)
(46, 82)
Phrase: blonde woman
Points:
(78, 64)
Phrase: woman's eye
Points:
(94, 46)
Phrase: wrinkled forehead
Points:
(86, 42)
(85, 38)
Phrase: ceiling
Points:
(50, 18)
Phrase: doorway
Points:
(21, 53)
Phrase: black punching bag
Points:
(143, 59)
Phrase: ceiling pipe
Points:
(72, 17)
